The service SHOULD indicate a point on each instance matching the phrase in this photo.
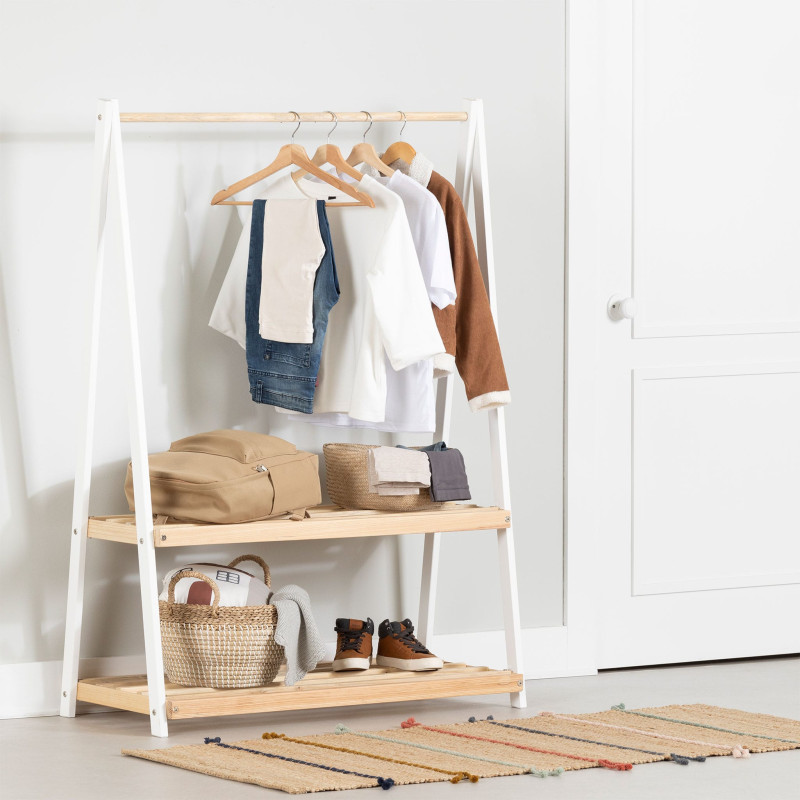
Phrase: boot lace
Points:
(409, 640)
(351, 640)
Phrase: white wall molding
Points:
(33, 689)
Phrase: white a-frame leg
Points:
(472, 173)
(108, 154)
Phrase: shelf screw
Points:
(141, 541)
(163, 537)
(63, 694)
(74, 531)
(175, 709)
(99, 116)
(519, 683)
(153, 712)
(508, 519)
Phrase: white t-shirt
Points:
(410, 398)
(383, 307)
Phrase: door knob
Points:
(620, 307)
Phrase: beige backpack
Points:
(231, 476)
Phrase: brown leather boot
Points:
(353, 644)
(399, 648)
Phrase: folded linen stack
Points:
(395, 471)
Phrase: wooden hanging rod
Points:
(288, 116)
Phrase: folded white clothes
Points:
(236, 587)
(392, 468)
(291, 255)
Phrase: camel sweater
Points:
(467, 328)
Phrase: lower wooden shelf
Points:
(319, 689)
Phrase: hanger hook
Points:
(335, 123)
(405, 122)
(364, 135)
(297, 120)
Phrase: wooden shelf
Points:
(319, 689)
(325, 522)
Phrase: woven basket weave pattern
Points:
(219, 647)
(348, 482)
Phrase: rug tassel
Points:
(272, 735)
(341, 729)
(682, 760)
(740, 751)
(409, 723)
(545, 773)
(617, 765)
(618, 707)
(539, 773)
(209, 740)
(385, 783)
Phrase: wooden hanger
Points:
(400, 149)
(291, 154)
(330, 154)
(365, 153)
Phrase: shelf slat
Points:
(324, 522)
(321, 689)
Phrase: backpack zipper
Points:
(260, 468)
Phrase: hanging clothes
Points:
(228, 315)
(384, 305)
(284, 374)
(410, 396)
(467, 328)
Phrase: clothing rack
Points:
(149, 695)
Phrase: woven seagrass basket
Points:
(219, 647)
(348, 482)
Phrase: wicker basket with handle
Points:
(219, 647)
(348, 482)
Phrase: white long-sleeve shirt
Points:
(410, 397)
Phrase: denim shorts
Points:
(283, 374)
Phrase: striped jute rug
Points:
(547, 744)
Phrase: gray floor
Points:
(54, 758)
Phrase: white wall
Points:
(55, 60)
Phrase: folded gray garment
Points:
(448, 475)
(297, 632)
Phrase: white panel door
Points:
(684, 187)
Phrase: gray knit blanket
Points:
(297, 632)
